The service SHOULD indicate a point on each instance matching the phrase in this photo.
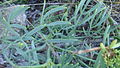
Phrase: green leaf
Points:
(113, 43)
(1, 17)
(111, 20)
(58, 23)
(106, 34)
(36, 29)
(34, 53)
(54, 10)
(62, 40)
(93, 8)
(100, 63)
(81, 4)
(104, 17)
(18, 26)
(116, 45)
(102, 47)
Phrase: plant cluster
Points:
(111, 55)
(51, 41)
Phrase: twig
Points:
(51, 3)
(88, 50)
(112, 2)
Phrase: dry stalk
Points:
(88, 50)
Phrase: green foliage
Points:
(52, 38)
(109, 57)
(112, 58)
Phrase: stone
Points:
(20, 19)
